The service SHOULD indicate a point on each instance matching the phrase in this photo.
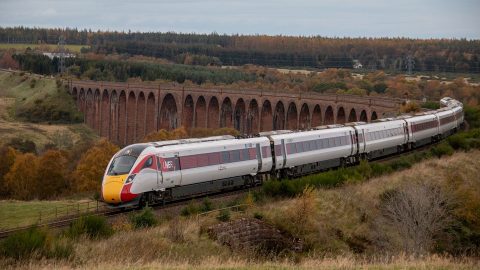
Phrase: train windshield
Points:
(121, 165)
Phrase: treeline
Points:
(117, 70)
(391, 54)
(65, 167)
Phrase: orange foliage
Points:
(51, 175)
(163, 135)
(7, 158)
(21, 179)
(88, 174)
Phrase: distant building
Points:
(57, 54)
(357, 64)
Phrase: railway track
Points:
(111, 213)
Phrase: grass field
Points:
(22, 213)
(44, 47)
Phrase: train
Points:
(158, 172)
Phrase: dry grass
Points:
(341, 219)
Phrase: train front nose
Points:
(112, 188)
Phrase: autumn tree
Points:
(88, 174)
(7, 158)
(6, 61)
(51, 175)
(20, 180)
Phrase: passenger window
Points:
(342, 140)
(234, 155)
(313, 145)
(202, 160)
(306, 146)
(337, 141)
(213, 158)
(331, 142)
(245, 154)
(299, 147)
(225, 157)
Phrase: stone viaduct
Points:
(125, 112)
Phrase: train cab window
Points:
(148, 163)
(121, 165)
(225, 157)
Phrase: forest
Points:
(390, 54)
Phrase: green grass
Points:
(51, 47)
(23, 213)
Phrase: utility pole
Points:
(410, 64)
(61, 49)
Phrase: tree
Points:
(413, 216)
(20, 180)
(8, 62)
(51, 175)
(88, 174)
(7, 158)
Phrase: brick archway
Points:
(317, 116)
(329, 117)
(304, 121)
(352, 116)
(141, 117)
(188, 110)
(279, 116)
(341, 116)
(266, 123)
(292, 115)
(201, 113)
(252, 118)
(168, 118)
(213, 120)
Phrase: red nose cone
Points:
(126, 195)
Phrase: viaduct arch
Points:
(125, 113)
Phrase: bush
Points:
(443, 149)
(258, 215)
(191, 209)
(94, 227)
(25, 244)
(146, 218)
(33, 82)
(224, 215)
(206, 205)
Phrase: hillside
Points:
(34, 108)
(338, 228)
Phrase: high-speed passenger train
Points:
(149, 173)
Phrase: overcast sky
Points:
(333, 18)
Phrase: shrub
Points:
(94, 227)
(258, 215)
(224, 215)
(442, 150)
(146, 218)
(25, 244)
(191, 209)
(207, 205)
(33, 82)
(176, 231)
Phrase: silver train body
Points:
(169, 170)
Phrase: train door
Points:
(259, 157)
(171, 171)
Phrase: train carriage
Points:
(384, 137)
(447, 122)
(299, 153)
(423, 129)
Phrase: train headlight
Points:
(130, 179)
